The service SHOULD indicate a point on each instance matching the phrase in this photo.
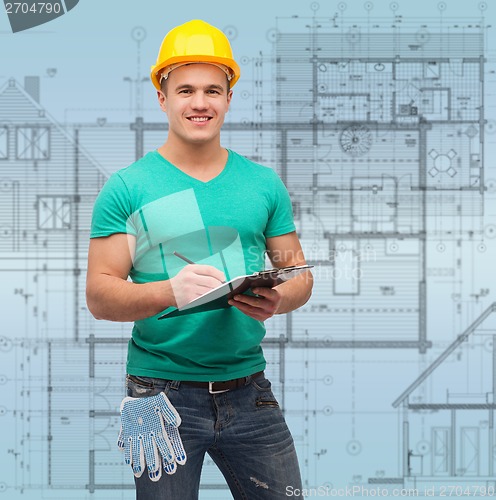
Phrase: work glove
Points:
(149, 433)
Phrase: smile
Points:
(199, 119)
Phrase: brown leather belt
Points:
(228, 385)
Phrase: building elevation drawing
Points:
(381, 123)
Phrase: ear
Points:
(162, 100)
(229, 97)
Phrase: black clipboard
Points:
(218, 298)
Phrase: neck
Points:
(202, 161)
(200, 156)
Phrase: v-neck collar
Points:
(194, 180)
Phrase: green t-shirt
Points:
(223, 223)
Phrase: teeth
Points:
(199, 118)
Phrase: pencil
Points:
(177, 254)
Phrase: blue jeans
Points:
(243, 431)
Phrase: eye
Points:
(213, 91)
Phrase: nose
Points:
(199, 100)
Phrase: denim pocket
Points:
(141, 381)
(144, 387)
(266, 399)
(261, 384)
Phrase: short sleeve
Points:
(112, 210)
(281, 215)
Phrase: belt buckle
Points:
(211, 391)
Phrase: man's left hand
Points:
(260, 308)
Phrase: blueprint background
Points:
(339, 401)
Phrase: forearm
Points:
(114, 299)
(295, 292)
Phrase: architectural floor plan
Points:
(381, 125)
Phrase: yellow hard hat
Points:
(195, 42)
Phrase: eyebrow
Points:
(213, 86)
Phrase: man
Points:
(203, 370)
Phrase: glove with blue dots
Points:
(149, 433)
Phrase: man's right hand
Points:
(195, 280)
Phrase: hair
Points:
(163, 86)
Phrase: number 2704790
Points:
(34, 8)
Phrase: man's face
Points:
(196, 102)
